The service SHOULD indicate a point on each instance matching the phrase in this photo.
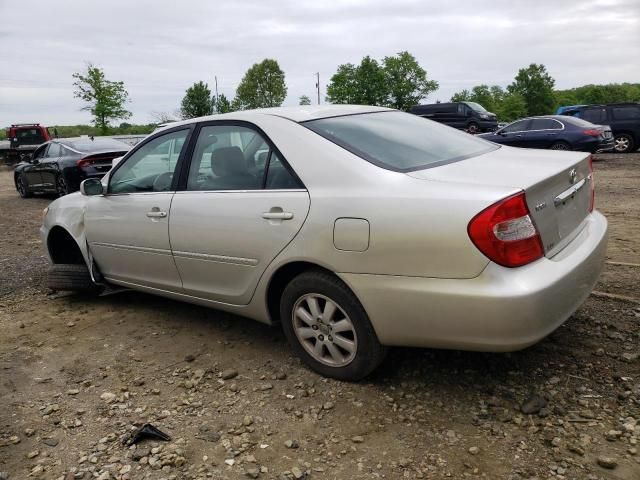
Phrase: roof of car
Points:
(300, 113)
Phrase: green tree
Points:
(223, 105)
(511, 107)
(406, 81)
(343, 86)
(463, 96)
(304, 100)
(372, 87)
(197, 101)
(262, 86)
(536, 87)
(106, 98)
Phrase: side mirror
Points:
(35, 161)
(91, 187)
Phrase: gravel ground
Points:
(78, 373)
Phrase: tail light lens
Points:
(506, 234)
(592, 202)
(592, 132)
(84, 162)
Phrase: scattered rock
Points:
(252, 473)
(607, 462)
(357, 439)
(297, 473)
(229, 374)
(189, 358)
(328, 405)
(474, 450)
(33, 454)
(108, 397)
(291, 444)
(50, 441)
(533, 404)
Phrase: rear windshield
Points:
(578, 122)
(88, 145)
(399, 141)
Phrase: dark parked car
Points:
(59, 166)
(623, 118)
(469, 116)
(555, 132)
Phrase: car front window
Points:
(399, 141)
(477, 107)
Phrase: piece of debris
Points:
(147, 431)
(533, 404)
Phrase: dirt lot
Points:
(76, 373)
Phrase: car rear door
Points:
(128, 227)
(541, 133)
(240, 206)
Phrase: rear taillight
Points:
(592, 180)
(592, 132)
(506, 234)
(84, 162)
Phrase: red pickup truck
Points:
(22, 140)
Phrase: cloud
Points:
(159, 48)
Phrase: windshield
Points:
(88, 145)
(399, 141)
(476, 106)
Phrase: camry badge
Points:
(573, 175)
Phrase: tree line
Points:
(396, 81)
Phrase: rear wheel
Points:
(21, 186)
(473, 128)
(70, 276)
(328, 328)
(560, 146)
(61, 185)
(623, 143)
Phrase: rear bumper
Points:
(502, 309)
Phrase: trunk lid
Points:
(100, 161)
(557, 186)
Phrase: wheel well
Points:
(281, 279)
(63, 247)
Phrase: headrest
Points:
(228, 161)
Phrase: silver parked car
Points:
(355, 228)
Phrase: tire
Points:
(560, 146)
(21, 186)
(62, 188)
(70, 276)
(323, 289)
(623, 143)
(473, 128)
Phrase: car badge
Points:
(573, 175)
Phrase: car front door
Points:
(128, 227)
(32, 171)
(241, 205)
(48, 167)
(514, 133)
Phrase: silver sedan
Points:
(354, 228)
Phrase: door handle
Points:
(156, 214)
(277, 215)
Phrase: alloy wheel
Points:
(622, 144)
(324, 330)
(20, 186)
(61, 186)
(472, 128)
(559, 146)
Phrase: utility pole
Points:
(216, 78)
(318, 85)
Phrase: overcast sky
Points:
(160, 47)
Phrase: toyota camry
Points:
(353, 228)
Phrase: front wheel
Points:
(328, 328)
(21, 186)
(473, 128)
(623, 143)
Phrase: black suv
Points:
(469, 116)
(623, 118)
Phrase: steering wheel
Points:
(162, 182)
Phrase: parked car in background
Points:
(469, 116)
(555, 132)
(353, 227)
(58, 166)
(565, 108)
(623, 118)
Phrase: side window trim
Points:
(150, 138)
(184, 172)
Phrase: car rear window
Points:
(88, 145)
(399, 141)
